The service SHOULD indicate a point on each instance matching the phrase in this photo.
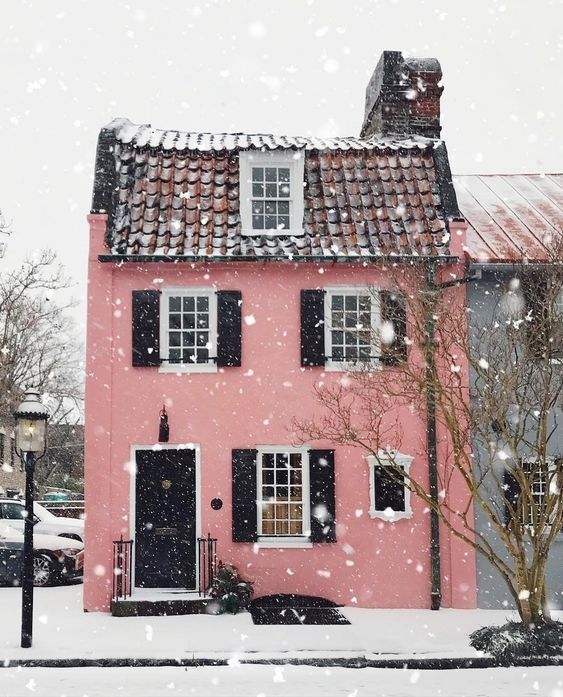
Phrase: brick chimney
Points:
(403, 97)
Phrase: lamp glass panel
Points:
(31, 435)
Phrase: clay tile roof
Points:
(177, 194)
(510, 217)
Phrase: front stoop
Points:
(159, 608)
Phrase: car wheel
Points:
(43, 570)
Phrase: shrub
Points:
(518, 640)
(234, 592)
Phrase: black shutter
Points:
(245, 523)
(393, 310)
(389, 493)
(511, 494)
(146, 328)
(312, 327)
(229, 345)
(323, 503)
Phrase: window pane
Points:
(202, 338)
(283, 222)
(365, 303)
(174, 355)
(174, 339)
(267, 476)
(174, 321)
(258, 207)
(267, 493)
(271, 174)
(337, 353)
(188, 356)
(189, 303)
(337, 338)
(258, 174)
(271, 190)
(189, 321)
(257, 222)
(174, 304)
(283, 207)
(202, 303)
(271, 222)
(203, 321)
(188, 338)
(258, 190)
(337, 320)
(271, 207)
(202, 355)
(268, 460)
(337, 302)
(388, 492)
(351, 302)
(283, 191)
(282, 476)
(283, 174)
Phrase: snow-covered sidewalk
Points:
(63, 630)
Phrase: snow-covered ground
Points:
(276, 681)
(63, 630)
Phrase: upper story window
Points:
(351, 326)
(271, 192)
(188, 330)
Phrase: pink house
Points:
(228, 275)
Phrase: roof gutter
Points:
(150, 258)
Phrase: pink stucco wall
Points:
(373, 564)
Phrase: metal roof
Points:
(510, 217)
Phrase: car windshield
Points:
(42, 513)
(7, 532)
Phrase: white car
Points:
(12, 513)
(55, 559)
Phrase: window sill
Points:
(284, 543)
(273, 233)
(398, 515)
(186, 368)
(331, 367)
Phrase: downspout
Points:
(431, 445)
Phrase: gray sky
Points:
(294, 67)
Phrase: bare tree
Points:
(496, 391)
(37, 339)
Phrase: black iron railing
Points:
(207, 555)
(122, 565)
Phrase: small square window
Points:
(389, 495)
(352, 318)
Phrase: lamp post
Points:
(31, 442)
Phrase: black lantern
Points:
(163, 427)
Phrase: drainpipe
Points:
(431, 446)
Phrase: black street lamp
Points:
(31, 442)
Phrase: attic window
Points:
(271, 193)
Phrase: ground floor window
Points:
(282, 492)
(389, 495)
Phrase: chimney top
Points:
(403, 97)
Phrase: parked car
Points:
(12, 513)
(54, 560)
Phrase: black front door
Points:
(165, 519)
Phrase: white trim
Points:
(132, 507)
(295, 160)
(183, 291)
(284, 540)
(396, 458)
(340, 366)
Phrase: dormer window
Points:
(271, 192)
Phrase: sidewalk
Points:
(64, 634)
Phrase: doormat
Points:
(288, 608)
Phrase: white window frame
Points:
(393, 457)
(550, 461)
(184, 291)
(295, 161)
(287, 541)
(330, 291)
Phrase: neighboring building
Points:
(62, 467)
(511, 219)
(227, 275)
(12, 477)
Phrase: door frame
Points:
(133, 506)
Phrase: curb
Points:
(359, 662)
